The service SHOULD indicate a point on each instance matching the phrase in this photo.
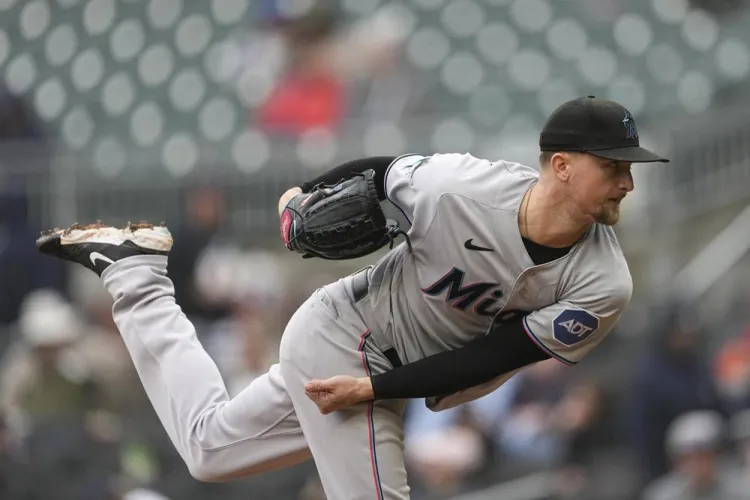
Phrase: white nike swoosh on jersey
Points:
(94, 256)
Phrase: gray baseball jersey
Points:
(469, 265)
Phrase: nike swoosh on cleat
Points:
(94, 256)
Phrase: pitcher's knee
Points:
(210, 468)
(204, 474)
(213, 471)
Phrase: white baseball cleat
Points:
(97, 246)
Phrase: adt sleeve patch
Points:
(573, 326)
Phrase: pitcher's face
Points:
(598, 186)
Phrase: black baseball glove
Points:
(338, 222)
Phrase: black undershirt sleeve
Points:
(503, 350)
(379, 164)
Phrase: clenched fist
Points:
(339, 392)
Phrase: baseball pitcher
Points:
(502, 266)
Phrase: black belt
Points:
(360, 286)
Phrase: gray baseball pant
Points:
(271, 423)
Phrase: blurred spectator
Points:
(244, 347)
(24, 163)
(322, 72)
(17, 120)
(67, 461)
(310, 94)
(732, 371)
(694, 444)
(244, 344)
(672, 379)
(50, 394)
(443, 460)
(740, 435)
(585, 421)
(25, 146)
(528, 434)
(26, 270)
(43, 375)
(382, 87)
(14, 475)
(588, 428)
(205, 209)
(445, 449)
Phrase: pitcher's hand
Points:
(339, 392)
(288, 195)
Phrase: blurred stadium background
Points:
(200, 113)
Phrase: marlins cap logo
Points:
(629, 123)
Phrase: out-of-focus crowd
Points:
(77, 424)
(670, 419)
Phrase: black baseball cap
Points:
(599, 127)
